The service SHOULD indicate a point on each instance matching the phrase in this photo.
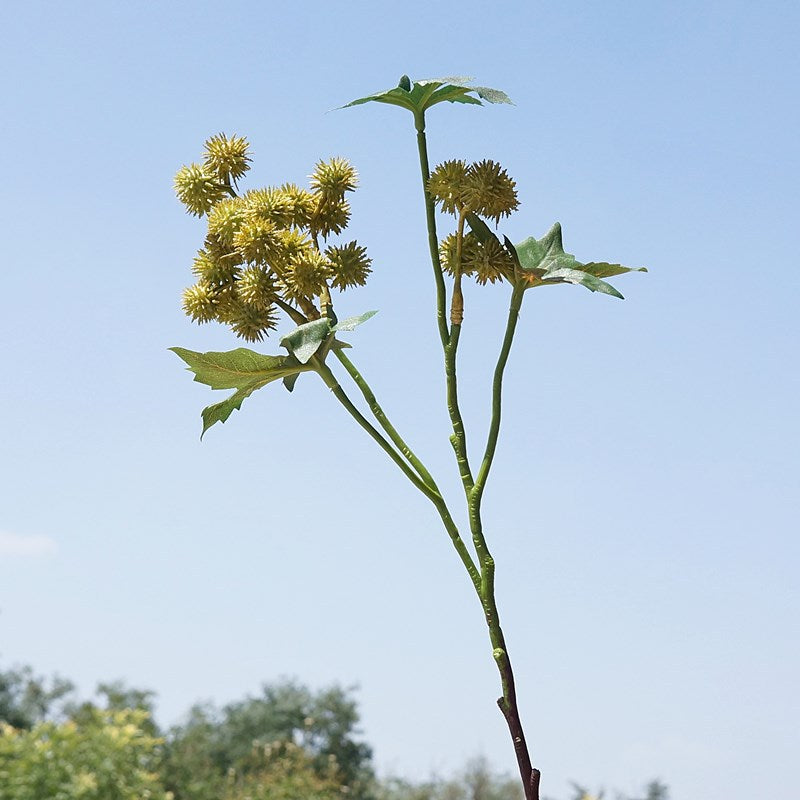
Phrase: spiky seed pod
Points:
(215, 270)
(257, 240)
(253, 324)
(199, 302)
(226, 218)
(306, 274)
(270, 204)
(302, 202)
(198, 189)
(447, 185)
(291, 244)
(488, 262)
(228, 304)
(489, 190)
(227, 157)
(225, 254)
(330, 217)
(447, 253)
(350, 265)
(256, 287)
(331, 179)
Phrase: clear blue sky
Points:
(644, 507)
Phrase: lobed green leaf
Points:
(240, 369)
(544, 261)
(418, 96)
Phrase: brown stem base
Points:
(529, 774)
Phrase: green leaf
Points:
(600, 269)
(290, 380)
(305, 340)
(418, 96)
(230, 370)
(219, 412)
(578, 277)
(240, 369)
(351, 323)
(481, 230)
(543, 261)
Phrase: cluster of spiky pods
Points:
(485, 189)
(263, 252)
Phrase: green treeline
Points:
(286, 743)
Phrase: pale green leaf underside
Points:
(543, 261)
(351, 323)
(305, 339)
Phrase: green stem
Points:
(384, 422)
(433, 495)
(497, 393)
(291, 311)
(459, 438)
(433, 241)
(449, 340)
(508, 701)
(457, 303)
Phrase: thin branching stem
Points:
(384, 422)
(449, 339)
(433, 241)
(433, 495)
(497, 393)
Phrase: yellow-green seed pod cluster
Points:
(483, 188)
(262, 250)
(487, 262)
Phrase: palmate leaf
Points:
(543, 261)
(418, 96)
(240, 369)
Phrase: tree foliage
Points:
(475, 782)
(27, 699)
(109, 754)
(214, 743)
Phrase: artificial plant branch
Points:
(262, 254)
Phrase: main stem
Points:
(474, 489)
(508, 702)
(449, 339)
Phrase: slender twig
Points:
(497, 392)
(384, 422)
(434, 496)
(459, 438)
(433, 241)
(291, 311)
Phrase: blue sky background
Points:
(644, 502)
